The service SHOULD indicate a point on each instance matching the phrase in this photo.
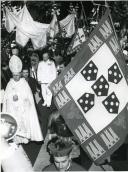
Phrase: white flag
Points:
(68, 24)
(27, 28)
(53, 28)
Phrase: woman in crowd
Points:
(18, 101)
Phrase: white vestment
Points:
(19, 102)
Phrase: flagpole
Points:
(78, 21)
(113, 26)
(107, 6)
(57, 19)
(115, 33)
(58, 23)
(84, 13)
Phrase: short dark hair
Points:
(35, 55)
(57, 125)
(15, 47)
(59, 148)
(26, 67)
(45, 50)
(45, 53)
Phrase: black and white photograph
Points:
(64, 85)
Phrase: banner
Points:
(67, 26)
(77, 41)
(79, 37)
(92, 93)
(26, 28)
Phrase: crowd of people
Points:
(29, 101)
(27, 98)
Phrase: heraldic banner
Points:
(92, 93)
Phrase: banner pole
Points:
(107, 6)
(84, 13)
(113, 25)
(57, 20)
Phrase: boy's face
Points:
(62, 163)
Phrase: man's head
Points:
(34, 59)
(25, 72)
(61, 67)
(16, 76)
(62, 163)
(15, 51)
(45, 56)
(60, 150)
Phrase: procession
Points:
(64, 86)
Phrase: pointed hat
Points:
(15, 64)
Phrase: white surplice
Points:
(19, 102)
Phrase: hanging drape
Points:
(27, 28)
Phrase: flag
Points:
(53, 28)
(79, 37)
(27, 28)
(9, 24)
(77, 41)
(67, 26)
(92, 93)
